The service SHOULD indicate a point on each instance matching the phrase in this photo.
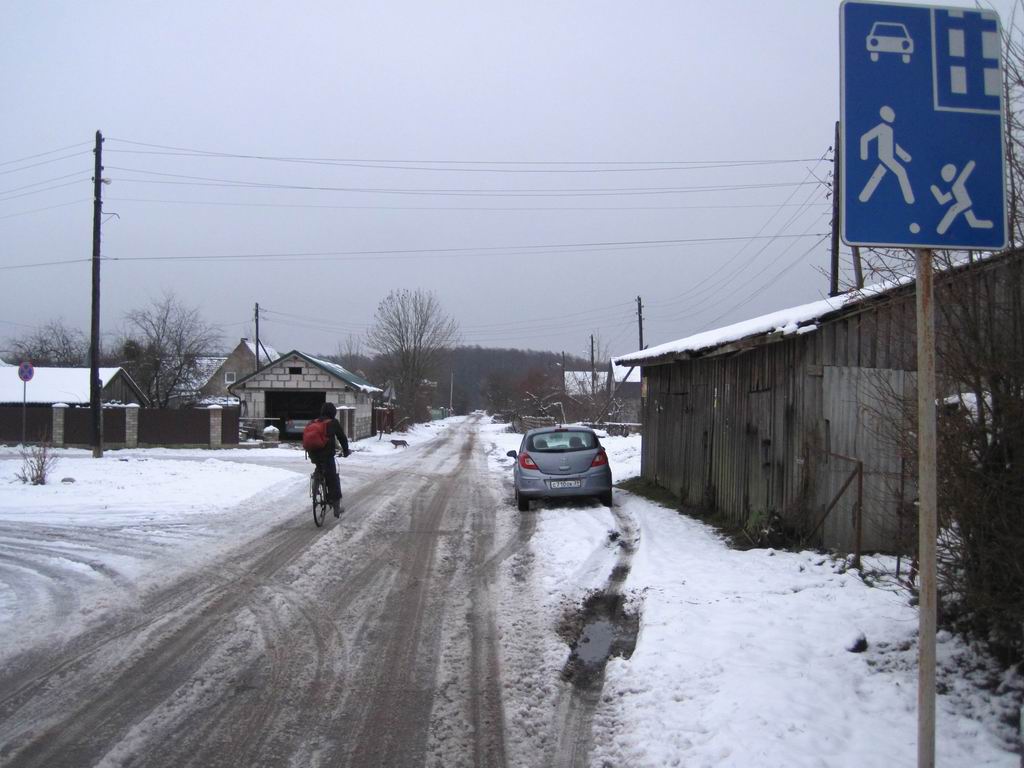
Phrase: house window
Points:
(229, 377)
(295, 370)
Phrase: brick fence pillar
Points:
(215, 426)
(57, 432)
(131, 426)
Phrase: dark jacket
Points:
(335, 437)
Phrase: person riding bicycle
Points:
(324, 457)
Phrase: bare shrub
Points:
(36, 463)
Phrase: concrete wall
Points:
(278, 378)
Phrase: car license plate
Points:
(566, 483)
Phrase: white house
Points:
(290, 391)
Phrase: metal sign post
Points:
(25, 373)
(927, 511)
(922, 167)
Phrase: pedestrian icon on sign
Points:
(888, 150)
(962, 200)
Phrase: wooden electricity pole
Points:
(640, 320)
(257, 335)
(593, 369)
(95, 386)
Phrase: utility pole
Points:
(858, 270)
(640, 320)
(451, 393)
(833, 288)
(593, 370)
(563, 375)
(257, 336)
(94, 339)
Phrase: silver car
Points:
(555, 462)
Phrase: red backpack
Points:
(314, 436)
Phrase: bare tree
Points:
(411, 334)
(53, 344)
(352, 356)
(162, 346)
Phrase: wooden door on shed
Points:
(863, 409)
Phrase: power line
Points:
(385, 165)
(46, 208)
(435, 252)
(343, 255)
(44, 154)
(44, 264)
(44, 162)
(726, 277)
(41, 191)
(770, 282)
(40, 183)
(177, 179)
(723, 206)
(185, 151)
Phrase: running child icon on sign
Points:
(962, 200)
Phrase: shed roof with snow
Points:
(804, 318)
(67, 385)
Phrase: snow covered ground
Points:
(742, 657)
(127, 522)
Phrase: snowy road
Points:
(304, 647)
(172, 609)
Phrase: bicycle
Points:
(318, 493)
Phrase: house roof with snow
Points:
(59, 385)
(5, 365)
(206, 366)
(354, 380)
(340, 371)
(266, 351)
(624, 375)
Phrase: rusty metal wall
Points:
(158, 426)
(38, 423)
(229, 426)
(78, 426)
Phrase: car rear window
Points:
(562, 441)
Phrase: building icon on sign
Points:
(967, 72)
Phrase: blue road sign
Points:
(26, 372)
(921, 127)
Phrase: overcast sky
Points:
(538, 165)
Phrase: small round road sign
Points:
(26, 372)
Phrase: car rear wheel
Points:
(523, 504)
(606, 498)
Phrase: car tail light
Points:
(526, 462)
(600, 460)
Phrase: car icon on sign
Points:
(888, 37)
